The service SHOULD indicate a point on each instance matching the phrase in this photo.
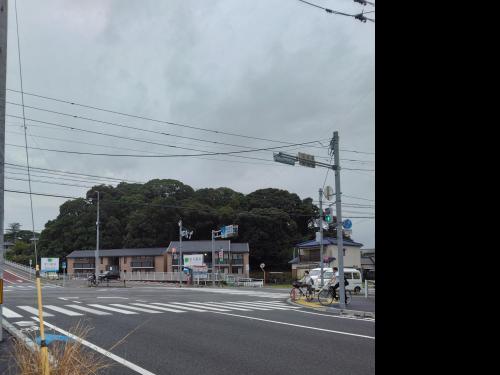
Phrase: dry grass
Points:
(68, 358)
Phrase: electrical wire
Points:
(25, 131)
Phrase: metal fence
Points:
(20, 267)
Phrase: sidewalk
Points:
(359, 306)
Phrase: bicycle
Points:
(297, 290)
(327, 295)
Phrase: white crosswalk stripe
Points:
(88, 309)
(222, 304)
(34, 311)
(63, 310)
(135, 308)
(158, 308)
(8, 313)
(205, 307)
(230, 307)
(126, 312)
(179, 307)
(255, 305)
(275, 303)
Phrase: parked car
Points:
(109, 275)
(352, 275)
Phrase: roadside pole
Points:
(338, 202)
(213, 258)
(180, 254)
(3, 78)
(97, 244)
(321, 234)
(43, 345)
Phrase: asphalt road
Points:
(256, 332)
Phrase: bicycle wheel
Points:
(293, 294)
(325, 297)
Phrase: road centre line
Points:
(296, 325)
(100, 350)
(338, 317)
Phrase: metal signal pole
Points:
(180, 254)
(97, 243)
(321, 234)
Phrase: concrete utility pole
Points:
(321, 234)
(213, 258)
(180, 253)
(3, 78)
(97, 243)
(338, 203)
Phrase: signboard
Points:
(229, 231)
(306, 160)
(318, 236)
(64, 265)
(193, 260)
(200, 272)
(49, 265)
(283, 158)
(221, 256)
(347, 224)
(174, 250)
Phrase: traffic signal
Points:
(327, 215)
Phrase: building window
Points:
(124, 260)
(101, 260)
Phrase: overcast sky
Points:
(274, 69)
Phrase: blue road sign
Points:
(64, 265)
(347, 224)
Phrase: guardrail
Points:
(20, 266)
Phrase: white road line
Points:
(112, 309)
(25, 323)
(136, 308)
(244, 306)
(158, 307)
(89, 310)
(225, 305)
(179, 307)
(276, 305)
(16, 275)
(205, 307)
(114, 297)
(63, 310)
(100, 350)
(34, 311)
(8, 313)
(297, 325)
(266, 306)
(339, 316)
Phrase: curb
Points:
(347, 312)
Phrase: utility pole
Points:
(97, 243)
(213, 258)
(3, 78)
(321, 234)
(180, 253)
(338, 203)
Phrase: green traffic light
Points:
(328, 218)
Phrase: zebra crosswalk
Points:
(249, 293)
(27, 286)
(137, 308)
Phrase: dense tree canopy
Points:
(146, 215)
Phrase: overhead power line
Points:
(359, 16)
(156, 120)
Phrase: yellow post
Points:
(43, 344)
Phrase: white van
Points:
(352, 275)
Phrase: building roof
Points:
(206, 246)
(119, 252)
(326, 241)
